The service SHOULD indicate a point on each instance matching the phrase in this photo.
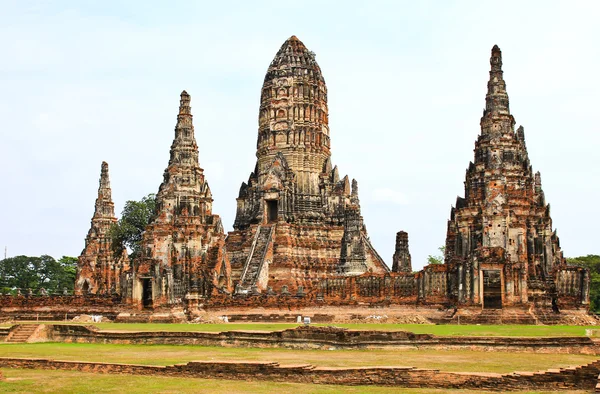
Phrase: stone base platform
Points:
(584, 377)
(328, 338)
(521, 315)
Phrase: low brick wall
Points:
(325, 338)
(58, 307)
(582, 377)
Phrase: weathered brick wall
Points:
(326, 337)
(7, 301)
(583, 377)
(57, 307)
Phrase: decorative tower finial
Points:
(184, 104)
(496, 100)
(104, 205)
(184, 148)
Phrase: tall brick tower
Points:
(500, 246)
(297, 221)
(182, 251)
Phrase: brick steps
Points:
(255, 261)
(22, 333)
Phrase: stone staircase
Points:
(22, 333)
(476, 315)
(253, 266)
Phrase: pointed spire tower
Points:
(104, 208)
(183, 246)
(501, 232)
(184, 191)
(496, 119)
(96, 265)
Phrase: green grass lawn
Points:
(449, 330)
(454, 360)
(41, 381)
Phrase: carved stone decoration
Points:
(98, 270)
(502, 228)
(294, 201)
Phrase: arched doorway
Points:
(492, 289)
(272, 208)
(147, 293)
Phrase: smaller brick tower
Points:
(98, 271)
(401, 259)
(183, 248)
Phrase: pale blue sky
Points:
(83, 82)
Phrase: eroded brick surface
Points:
(580, 377)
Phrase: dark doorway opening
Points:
(555, 305)
(272, 208)
(147, 293)
(492, 289)
(86, 287)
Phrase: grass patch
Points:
(42, 381)
(442, 330)
(454, 360)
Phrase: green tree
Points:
(68, 272)
(28, 272)
(439, 259)
(127, 232)
(591, 261)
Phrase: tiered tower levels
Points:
(183, 248)
(503, 224)
(317, 227)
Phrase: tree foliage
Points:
(439, 259)
(127, 232)
(28, 272)
(591, 261)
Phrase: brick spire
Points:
(496, 119)
(184, 190)
(184, 150)
(496, 100)
(104, 208)
(97, 261)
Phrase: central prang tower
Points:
(293, 116)
(297, 221)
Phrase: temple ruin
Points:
(299, 236)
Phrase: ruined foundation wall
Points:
(582, 377)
